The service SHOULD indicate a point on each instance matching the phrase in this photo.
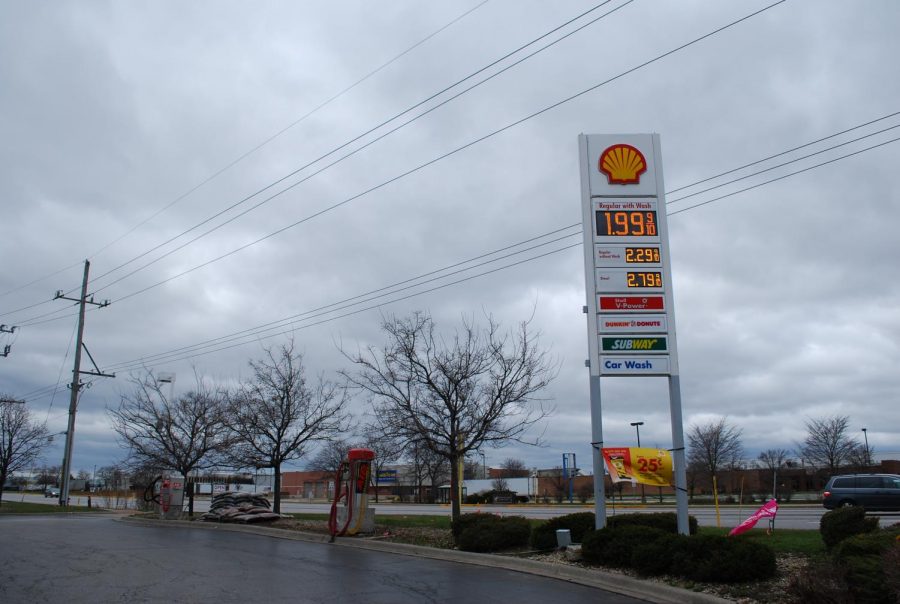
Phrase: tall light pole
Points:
(637, 429)
(866, 437)
(483, 464)
(168, 378)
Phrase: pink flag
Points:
(768, 510)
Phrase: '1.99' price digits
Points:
(626, 223)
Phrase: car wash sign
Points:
(631, 324)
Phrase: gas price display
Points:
(626, 223)
(639, 255)
(644, 279)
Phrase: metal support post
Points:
(678, 457)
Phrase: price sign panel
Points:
(627, 265)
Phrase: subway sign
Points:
(655, 344)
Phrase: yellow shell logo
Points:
(622, 164)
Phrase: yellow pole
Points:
(716, 500)
(461, 467)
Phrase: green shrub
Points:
(664, 521)
(862, 557)
(469, 521)
(614, 546)
(821, 582)
(839, 524)
(891, 566)
(495, 533)
(652, 558)
(718, 559)
(544, 536)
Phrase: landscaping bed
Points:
(758, 592)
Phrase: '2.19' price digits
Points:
(626, 223)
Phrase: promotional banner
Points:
(768, 510)
(642, 465)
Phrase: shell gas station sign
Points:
(630, 309)
(627, 267)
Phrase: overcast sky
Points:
(122, 122)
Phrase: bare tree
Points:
(454, 397)
(183, 434)
(827, 442)
(330, 456)
(860, 458)
(559, 485)
(500, 484)
(276, 415)
(471, 468)
(48, 476)
(427, 465)
(513, 468)
(21, 439)
(387, 448)
(114, 478)
(773, 460)
(714, 446)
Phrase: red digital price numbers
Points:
(626, 223)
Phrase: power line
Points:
(254, 149)
(775, 167)
(392, 301)
(710, 178)
(797, 148)
(282, 323)
(446, 155)
(285, 129)
(350, 142)
(395, 288)
(167, 357)
(807, 169)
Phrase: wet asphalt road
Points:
(97, 559)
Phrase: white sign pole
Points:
(679, 462)
(593, 362)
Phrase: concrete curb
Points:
(648, 591)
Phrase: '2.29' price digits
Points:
(639, 255)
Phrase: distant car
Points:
(871, 491)
(51, 492)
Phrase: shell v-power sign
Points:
(631, 326)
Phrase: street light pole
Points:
(866, 436)
(637, 428)
(483, 465)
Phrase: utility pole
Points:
(8, 347)
(76, 378)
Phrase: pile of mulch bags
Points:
(240, 507)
